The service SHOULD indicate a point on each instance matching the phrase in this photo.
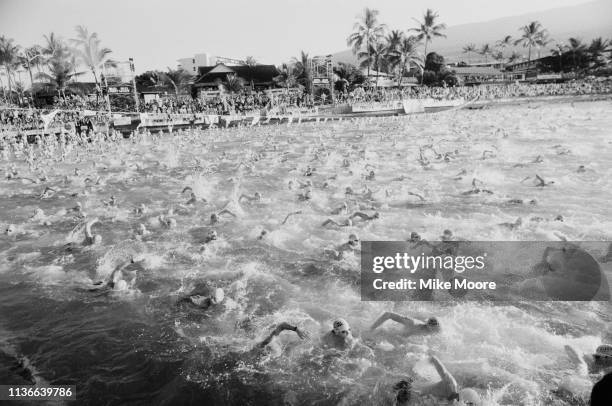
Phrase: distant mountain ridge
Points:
(585, 21)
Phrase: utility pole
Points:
(134, 83)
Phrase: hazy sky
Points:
(156, 33)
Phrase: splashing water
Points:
(135, 338)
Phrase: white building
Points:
(191, 64)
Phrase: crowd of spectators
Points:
(76, 110)
(241, 103)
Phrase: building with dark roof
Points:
(477, 74)
(261, 76)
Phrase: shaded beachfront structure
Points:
(258, 76)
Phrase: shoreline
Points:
(515, 101)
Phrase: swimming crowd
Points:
(48, 150)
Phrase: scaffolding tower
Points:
(323, 73)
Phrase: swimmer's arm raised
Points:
(446, 376)
(279, 329)
(361, 215)
(226, 211)
(406, 321)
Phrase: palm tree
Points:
(31, 56)
(303, 71)
(61, 71)
(89, 51)
(367, 31)
(405, 56)
(504, 42)
(54, 47)
(485, 51)
(532, 35)
(287, 76)
(374, 56)
(394, 39)
(559, 50)
(177, 78)
(349, 72)
(515, 56)
(469, 48)
(232, 84)
(597, 51)
(251, 62)
(428, 30)
(577, 48)
(8, 58)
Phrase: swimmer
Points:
(215, 217)
(491, 154)
(203, 297)
(91, 239)
(291, 214)
(309, 171)
(345, 223)
(166, 222)
(141, 209)
(193, 199)
(417, 195)
(412, 326)
(341, 209)
(512, 226)
(341, 338)
(446, 391)
(10, 229)
(302, 197)
(371, 176)
(447, 235)
(38, 214)
(365, 217)
(532, 202)
(255, 198)
(539, 181)
(352, 245)
(581, 169)
(542, 182)
(211, 236)
(112, 202)
(142, 230)
(47, 193)
(476, 189)
(284, 326)
(114, 280)
(600, 361)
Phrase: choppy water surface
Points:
(135, 346)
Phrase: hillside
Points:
(585, 21)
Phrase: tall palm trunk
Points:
(424, 59)
(8, 76)
(97, 84)
(31, 78)
(369, 60)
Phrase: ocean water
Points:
(133, 345)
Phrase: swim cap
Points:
(218, 295)
(432, 322)
(604, 350)
(341, 325)
(469, 397)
